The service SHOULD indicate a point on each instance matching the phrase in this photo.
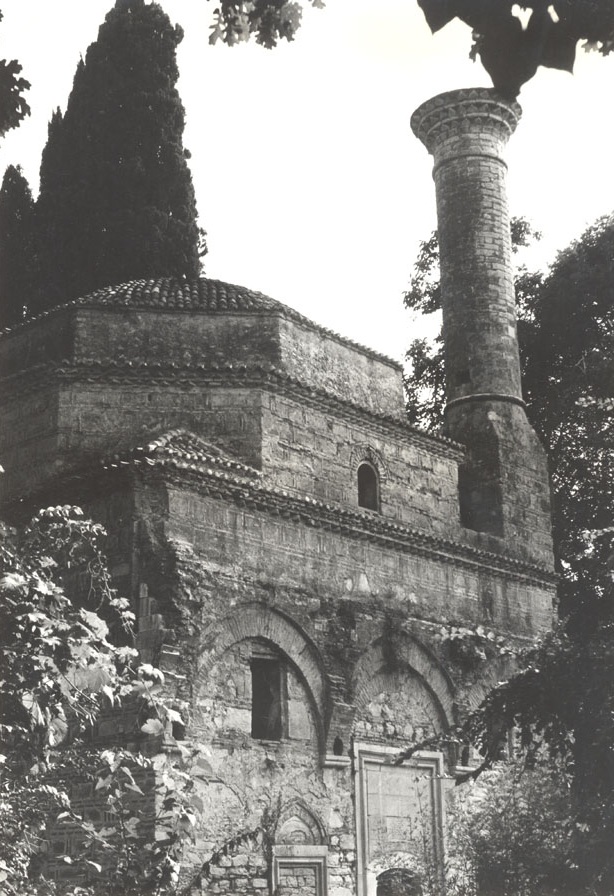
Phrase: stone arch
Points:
(398, 882)
(414, 656)
(362, 454)
(257, 620)
(497, 670)
(298, 824)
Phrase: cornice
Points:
(238, 484)
(355, 524)
(269, 378)
(474, 110)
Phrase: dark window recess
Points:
(399, 882)
(480, 500)
(338, 747)
(266, 699)
(178, 731)
(368, 488)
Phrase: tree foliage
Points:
(561, 701)
(67, 660)
(509, 47)
(268, 21)
(116, 199)
(16, 246)
(508, 833)
(511, 50)
(13, 105)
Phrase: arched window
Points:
(399, 882)
(368, 487)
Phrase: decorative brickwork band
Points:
(486, 396)
(471, 111)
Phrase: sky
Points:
(309, 181)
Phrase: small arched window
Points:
(368, 487)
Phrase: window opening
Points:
(399, 882)
(266, 699)
(178, 730)
(368, 487)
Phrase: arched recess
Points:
(497, 670)
(300, 852)
(260, 621)
(298, 824)
(368, 454)
(413, 656)
(402, 696)
(398, 882)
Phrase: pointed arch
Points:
(497, 670)
(257, 620)
(298, 823)
(414, 656)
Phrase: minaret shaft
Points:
(503, 486)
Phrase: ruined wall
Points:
(357, 627)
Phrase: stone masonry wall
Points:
(57, 426)
(28, 438)
(323, 361)
(97, 418)
(279, 553)
(309, 451)
(248, 780)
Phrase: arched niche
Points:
(412, 661)
(402, 696)
(258, 623)
(299, 825)
(300, 852)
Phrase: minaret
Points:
(503, 486)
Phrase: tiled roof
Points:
(169, 293)
(182, 448)
(199, 295)
(187, 458)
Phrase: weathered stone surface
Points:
(218, 436)
(504, 482)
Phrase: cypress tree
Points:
(16, 246)
(116, 200)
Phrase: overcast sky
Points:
(309, 181)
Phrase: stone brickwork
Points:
(466, 132)
(306, 638)
(503, 484)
